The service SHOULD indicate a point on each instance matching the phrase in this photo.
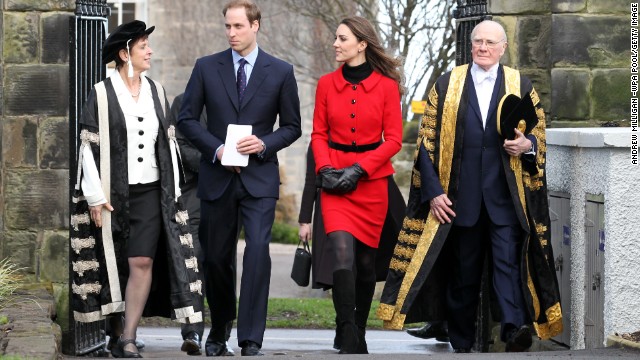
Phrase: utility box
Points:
(594, 271)
(560, 215)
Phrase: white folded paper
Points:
(231, 156)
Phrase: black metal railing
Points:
(468, 14)
(87, 33)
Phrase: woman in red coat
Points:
(357, 128)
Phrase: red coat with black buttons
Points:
(360, 114)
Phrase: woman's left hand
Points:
(304, 233)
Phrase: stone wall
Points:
(577, 54)
(34, 78)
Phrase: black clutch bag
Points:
(301, 268)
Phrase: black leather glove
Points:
(349, 179)
(327, 179)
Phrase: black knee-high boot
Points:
(364, 295)
(344, 301)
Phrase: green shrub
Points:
(284, 234)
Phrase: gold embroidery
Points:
(405, 252)
(384, 311)
(553, 326)
(413, 224)
(409, 239)
(540, 228)
(532, 290)
(398, 265)
(448, 123)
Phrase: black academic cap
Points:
(514, 112)
(117, 40)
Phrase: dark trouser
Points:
(467, 247)
(192, 202)
(219, 229)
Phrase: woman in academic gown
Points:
(129, 235)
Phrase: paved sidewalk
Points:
(164, 343)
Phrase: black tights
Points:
(351, 254)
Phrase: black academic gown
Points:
(415, 284)
(99, 289)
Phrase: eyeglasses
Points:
(488, 43)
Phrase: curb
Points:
(32, 334)
(618, 341)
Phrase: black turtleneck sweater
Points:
(355, 74)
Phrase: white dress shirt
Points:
(141, 138)
(484, 81)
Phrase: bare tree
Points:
(421, 32)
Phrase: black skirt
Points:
(145, 219)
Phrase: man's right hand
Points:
(235, 169)
(441, 208)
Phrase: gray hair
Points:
(504, 33)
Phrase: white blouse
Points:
(142, 133)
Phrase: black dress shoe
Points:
(251, 348)
(191, 344)
(118, 350)
(462, 351)
(214, 348)
(113, 340)
(519, 340)
(431, 330)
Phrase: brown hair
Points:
(375, 54)
(251, 9)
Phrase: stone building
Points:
(576, 52)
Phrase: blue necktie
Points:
(241, 79)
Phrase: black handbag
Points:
(301, 268)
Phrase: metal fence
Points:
(87, 33)
(467, 14)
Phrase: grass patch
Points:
(311, 313)
(307, 313)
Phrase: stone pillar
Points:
(577, 54)
(34, 100)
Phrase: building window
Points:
(124, 11)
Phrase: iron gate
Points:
(87, 33)
(467, 14)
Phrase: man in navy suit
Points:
(472, 193)
(241, 85)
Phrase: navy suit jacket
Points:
(482, 177)
(271, 93)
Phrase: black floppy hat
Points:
(117, 40)
(518, 113)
